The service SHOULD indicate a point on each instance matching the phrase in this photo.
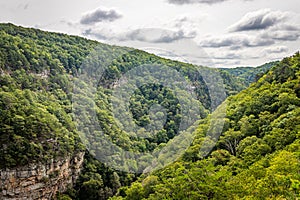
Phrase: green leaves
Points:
(257, 156)
(30, 132)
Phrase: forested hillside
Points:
(248, 75)
(38, 70)
(257, 155)
(41, 85)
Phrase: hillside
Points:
(257, 155)
(53, 90)
(248, 75)
(37, 70)
(38, 126)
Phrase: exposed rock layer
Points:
(40, 181)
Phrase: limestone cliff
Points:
(40, 181)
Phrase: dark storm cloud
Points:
(258, 20)
(100, 15)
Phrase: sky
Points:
(214, 33)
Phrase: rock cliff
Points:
(40, 181)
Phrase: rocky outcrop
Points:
(40, 181)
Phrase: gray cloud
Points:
(235, 42)
(282, 32)
(221, 42)
(258, 20)
(285, 36)
(227, 56)
(165, 54)
(100, 15)
(289, 27)
(274, 24)
(99, 34)
(227, 63)
(23, 6)
(26, 6)
(156, 35)
(276, 49)
(282, 35)
(181, 2)
(209, 2)
(151, 35)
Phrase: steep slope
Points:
(258, 153)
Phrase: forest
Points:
(256, 157)
(44, 116)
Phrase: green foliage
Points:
(98, 181)
(31, 129)
(248, 75)
(257, 156)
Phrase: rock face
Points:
(40, 181)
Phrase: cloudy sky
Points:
(216, 33)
